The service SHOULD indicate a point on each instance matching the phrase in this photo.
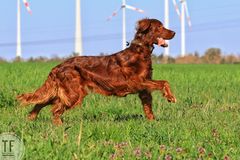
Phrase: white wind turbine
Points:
(123, 7)
(184, 9)
(166, 20)
(78, 30)
(19, 47)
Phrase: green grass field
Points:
(204, 123)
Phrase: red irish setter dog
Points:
(126, 72)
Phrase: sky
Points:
(50, 30)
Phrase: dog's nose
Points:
(172, 34)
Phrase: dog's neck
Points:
(139, 43)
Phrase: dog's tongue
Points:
(162, 42)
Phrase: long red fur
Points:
(126, 72)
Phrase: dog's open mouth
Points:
(162, 42)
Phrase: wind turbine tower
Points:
(78, 30)
(124, 24)
(184, 10)
(166, 21)
(123, 7)
(19, 47)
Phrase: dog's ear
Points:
(143, 25)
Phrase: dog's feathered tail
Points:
(42, 95)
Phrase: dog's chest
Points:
(145, 71)
(138, 66)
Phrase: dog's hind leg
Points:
(57, 110)
(65, 102)
(35, 111)
(79, 102)
(146, 99)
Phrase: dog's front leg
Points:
(161, 85)
(146, 99)
(166, 91)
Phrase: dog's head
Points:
(152, 31)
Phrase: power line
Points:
(64, 40)
(216, 25)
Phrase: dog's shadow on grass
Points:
(133, 117)
(118, 117)
(129, 117)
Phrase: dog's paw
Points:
(32, 117)
(171, 99)
(57, 121)
(150, 117)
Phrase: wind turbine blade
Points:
(176, 8)
(114, 13)
(187, 14)
(134, 8)
(26, 4)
